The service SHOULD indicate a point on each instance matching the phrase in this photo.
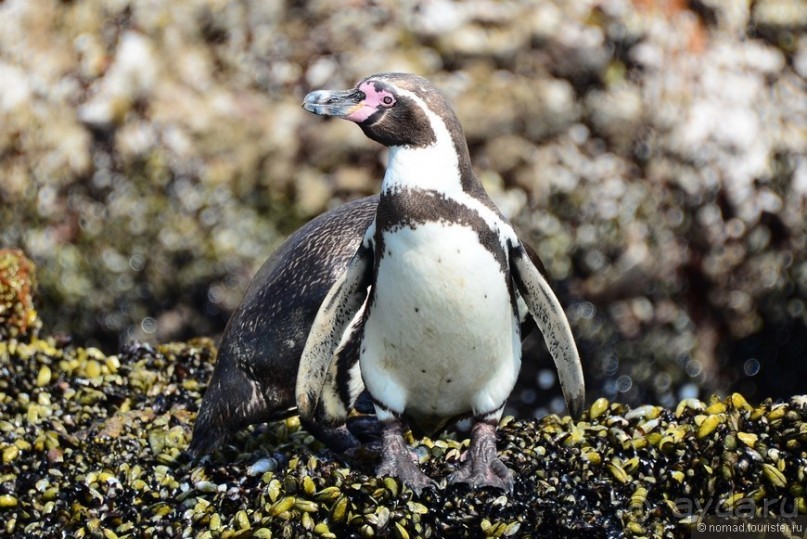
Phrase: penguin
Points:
(254, 378)
(430, 299)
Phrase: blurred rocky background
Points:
(654, 152)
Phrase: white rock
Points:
(133, 74)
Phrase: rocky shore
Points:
(92, 445)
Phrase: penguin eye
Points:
(387, 100)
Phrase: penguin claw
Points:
(398, 461)
(494, 474)
(482, 468)
(410, 475)
(404, 467)
(337, 438)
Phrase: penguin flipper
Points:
(343, 384)
(551, 320)
(336, 315)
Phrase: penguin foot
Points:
(407, 471)
(398, 461)
(492, 474)
(366, 428)
(337, 438)
(482, 466)
(364, 458)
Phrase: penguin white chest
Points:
(441, 337)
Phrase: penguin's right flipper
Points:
(343, 383)
(336, 325)
(551, 320)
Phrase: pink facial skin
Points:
(372, 102)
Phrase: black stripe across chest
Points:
(411, 208)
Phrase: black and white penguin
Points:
(259, 353)
(430, 298)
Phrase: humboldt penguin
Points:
(259, 353)
(431, 297)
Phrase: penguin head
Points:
(395, 109)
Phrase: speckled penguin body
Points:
(259, 353)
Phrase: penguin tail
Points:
(216, 421)
(233, 400)
(206, 439)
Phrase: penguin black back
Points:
(258, 357)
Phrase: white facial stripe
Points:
(435, 167)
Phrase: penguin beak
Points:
(336, 103)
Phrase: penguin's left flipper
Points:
(335, 330)
(551, 320)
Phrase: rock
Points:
(778, 15)
(800, 58)
(132, 75)
(617, 114)
(129, 417)
(502, 103)
(18, 316)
